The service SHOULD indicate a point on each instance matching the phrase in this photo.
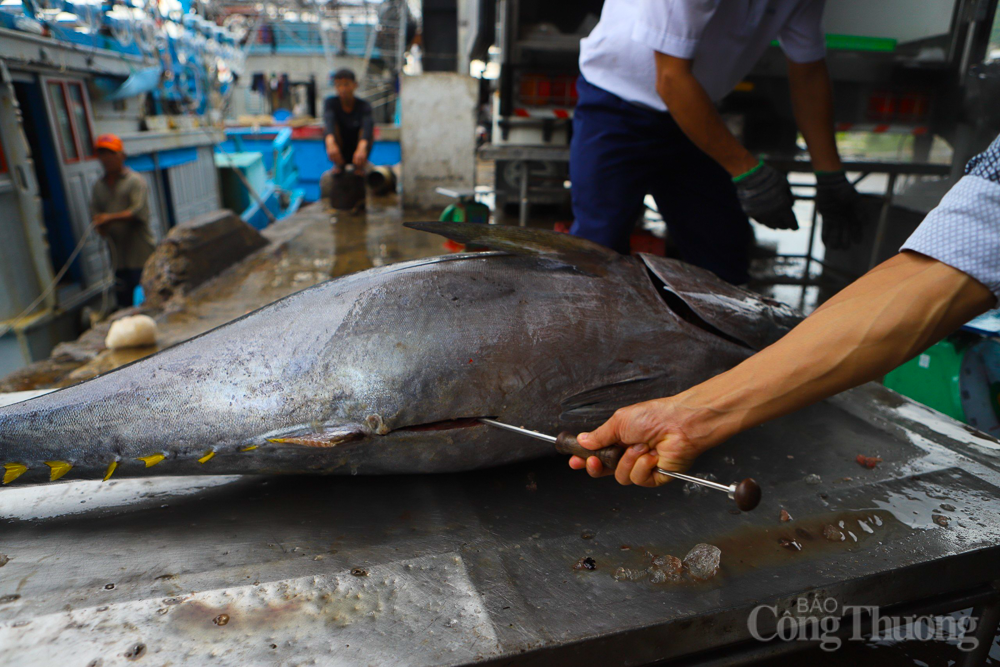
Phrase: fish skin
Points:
(510, 336)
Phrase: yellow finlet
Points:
(13, 471)
(249, 449)
(111, 470)
(152, 459)
(59, 468)
(207, 457)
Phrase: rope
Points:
(5, 329)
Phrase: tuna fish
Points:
(387, 370)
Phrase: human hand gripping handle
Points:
(650, 435)
(766, 197)
(567, 443)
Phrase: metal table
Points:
(453, 569)
(522, 156)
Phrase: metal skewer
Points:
(518, 429)
(746, 493)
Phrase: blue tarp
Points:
(140, 162)
(138, 82)
(310, 158)
(167, 159)
(177, 156)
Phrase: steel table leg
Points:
(883, 219)
(988, 615)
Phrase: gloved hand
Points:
(843, 211)
(766, 197)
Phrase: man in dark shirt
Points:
(349, 124)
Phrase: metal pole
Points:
(883, 219)
(809, 256)
(523, 211)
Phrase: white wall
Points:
(904, 20)
(438, 136)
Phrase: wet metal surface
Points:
(465, 567)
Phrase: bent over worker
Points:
(646, 123)
(119, 208)
(349, 125)
(947, 273)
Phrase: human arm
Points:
(886, 317)
(138, 204)
(333, 152)
(763, 192)
(812, 103)
(330, 139)
(102, 219)
(839, 204)
(694, 112)
(361, 154)
(948, 273)
(365, 140)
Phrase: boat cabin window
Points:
(69, 106)
(81, 118)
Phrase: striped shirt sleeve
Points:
(964, 230)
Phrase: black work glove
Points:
(843, 211)
(766, 197)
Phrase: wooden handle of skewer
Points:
(609, 456)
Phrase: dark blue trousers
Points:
(621, 152)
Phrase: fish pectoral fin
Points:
(597, 404)
(579, 253)
(699, 297)
(323, 437)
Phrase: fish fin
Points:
(207, 457)
(248, 448)
(327, 437)
(597, 404)
(152, 459)
(580, 253)
(708, 302)
(110, 471)
(59, 468)
(12, 471)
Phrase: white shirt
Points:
(724, 38)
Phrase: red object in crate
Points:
(534, 89)
(881, 106)
(543, 90)
(308, 132)
(913, 107)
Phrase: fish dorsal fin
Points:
(585, 255)
(746, 317)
